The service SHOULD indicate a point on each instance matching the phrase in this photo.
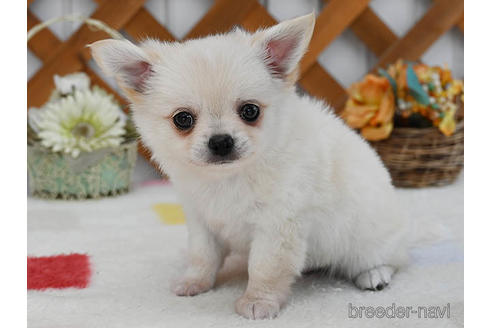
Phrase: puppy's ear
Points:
(128, 63)
(283, 45)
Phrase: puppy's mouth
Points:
(222, 160)
(233, 160)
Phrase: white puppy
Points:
(261, 171)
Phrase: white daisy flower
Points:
(71, 82)
(83, 121)
(33, 118)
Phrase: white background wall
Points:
(347, 58)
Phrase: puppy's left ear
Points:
(283, 45)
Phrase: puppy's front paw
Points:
(257, 308)
(375, 279)
(191, 287)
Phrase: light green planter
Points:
(106, 172)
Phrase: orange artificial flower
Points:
(357, 115)
(371, 107)
(377, 133)
(445, 75)
(422, 71)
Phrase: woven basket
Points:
(102, 173)
(422, 157)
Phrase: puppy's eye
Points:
(249, 112)
(183, 120)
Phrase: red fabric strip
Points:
(60, 271)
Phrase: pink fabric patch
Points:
(155, 182)
(60, 271)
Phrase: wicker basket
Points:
(102, 173)
(422, 157)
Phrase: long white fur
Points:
(307, 191)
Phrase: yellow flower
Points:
(448, 124)
(456, 87)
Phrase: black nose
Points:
(221, 144)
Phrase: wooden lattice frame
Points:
(131, 16)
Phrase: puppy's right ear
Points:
(128, 63)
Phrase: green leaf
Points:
(415, 88)
(391, 80)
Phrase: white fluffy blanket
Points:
(134, 255)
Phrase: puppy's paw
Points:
(375, 279)
(257, 308)
(191, 287)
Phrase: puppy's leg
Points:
(205, 256)
(276, 257)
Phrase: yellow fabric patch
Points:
(169, 213)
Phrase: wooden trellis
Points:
(337, 15)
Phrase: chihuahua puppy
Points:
(260, 170)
